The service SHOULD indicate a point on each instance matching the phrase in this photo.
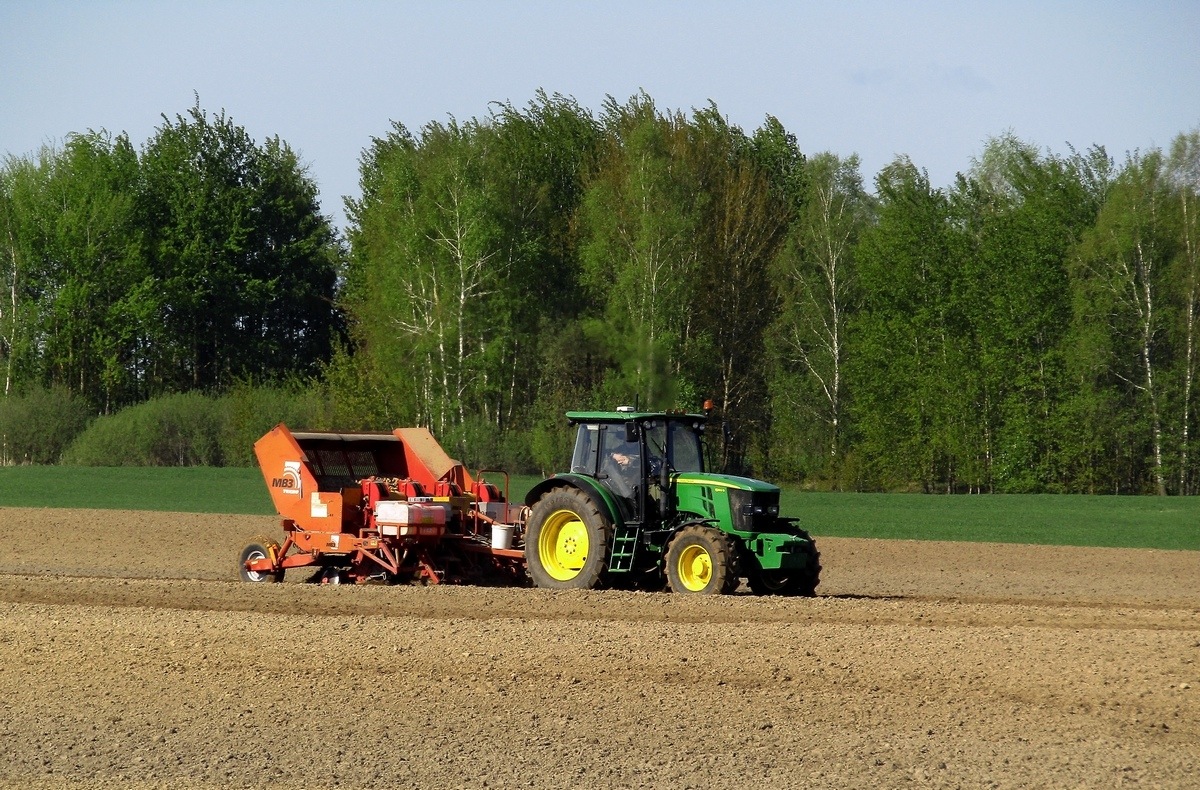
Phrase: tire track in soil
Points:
(488, 603)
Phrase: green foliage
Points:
(246, 413)
(910, 408)
(358, 393)
(1031, 328)
(478, 445)
(243, 260)
(1020, 216)
(36, 428)
(191, 429)
(171, 430)
(678, 228)
(74, 272)
(808, 344)
(742, 231)
(1124, 298)
(942, 339)
(199, 262)
(639, 256)
(462, 260)
(575, 366)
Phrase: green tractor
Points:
(638, 510)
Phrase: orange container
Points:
(314, 478)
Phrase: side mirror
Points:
(631, 431)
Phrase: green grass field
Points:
(1133, 522)
(1053, 519)
(196, 489)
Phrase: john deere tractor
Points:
(638, 510)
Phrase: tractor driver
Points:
(621, 468)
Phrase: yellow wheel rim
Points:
(694, 568)
(563, 545)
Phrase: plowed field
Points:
(129, 657)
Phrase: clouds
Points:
(960, 78)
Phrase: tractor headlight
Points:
(754, 510)
(758, 509)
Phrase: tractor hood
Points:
(744, 505)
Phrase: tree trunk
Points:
(1145, 268)
(1190, 358)
(11, 341)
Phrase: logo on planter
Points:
(290, 482)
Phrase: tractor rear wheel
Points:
(700, 560)
(567, 541)
(260, 549)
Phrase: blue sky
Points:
(932, 80)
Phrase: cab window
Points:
(656, 445)
(620, 462)
(685, 448)
(586, 444)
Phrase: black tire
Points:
(801, 582)
(567, 541)
(733, 579)
(700, 561)
(255, 551)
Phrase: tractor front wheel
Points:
(567, 541)
(260, 549)
(700, 560)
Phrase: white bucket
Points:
(502, 535)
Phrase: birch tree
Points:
(639, 225)
(910, 405)
(1122, 276)
(540, 158)
(461, 256)
(1017, 215)
(1183, 174)
(12, 267)
(816, 276)
(385, 302)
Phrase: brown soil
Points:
(129, 657)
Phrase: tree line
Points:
(1031, 327)
(196, 262)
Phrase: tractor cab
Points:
(633, 455)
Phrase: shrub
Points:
(358, 395)
(171, 430)
(36, 427)
(250, 412)
(479, 445)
